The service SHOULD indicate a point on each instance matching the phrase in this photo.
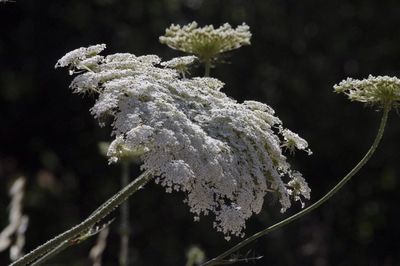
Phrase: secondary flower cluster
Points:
(225, 155)
(383, 91)
(206, 42)
(181, 64)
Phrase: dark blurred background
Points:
(299, 50)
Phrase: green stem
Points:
(124, 227)
(45, 249)
(207, 67)
(220, 259)
(51, 253)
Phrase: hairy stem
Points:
(51, 253)
(220, 259)
(87, 224)
(124, 227)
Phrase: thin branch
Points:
(64, 245)
(97, 250)
(124, 227)
(13, 236)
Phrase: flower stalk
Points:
(75, 233)
(207, 67)
(221, 258)
(124, 227)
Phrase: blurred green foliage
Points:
(299, 50)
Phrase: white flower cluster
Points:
(380, 90)
(82, 58)
(206, 42)
(294, 141)
(179, 62)
(225, 155)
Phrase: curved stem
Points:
(219, 259)
(83, 227)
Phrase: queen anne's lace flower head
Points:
(294, 141)
(382, 91)
(224, 155)
(82, 58)
(206, 42)
(181, 64)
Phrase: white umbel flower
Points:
(293, 141)
(179, 62)
(224, 155)
(82, 57)
(206, 42)
(382, 91)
